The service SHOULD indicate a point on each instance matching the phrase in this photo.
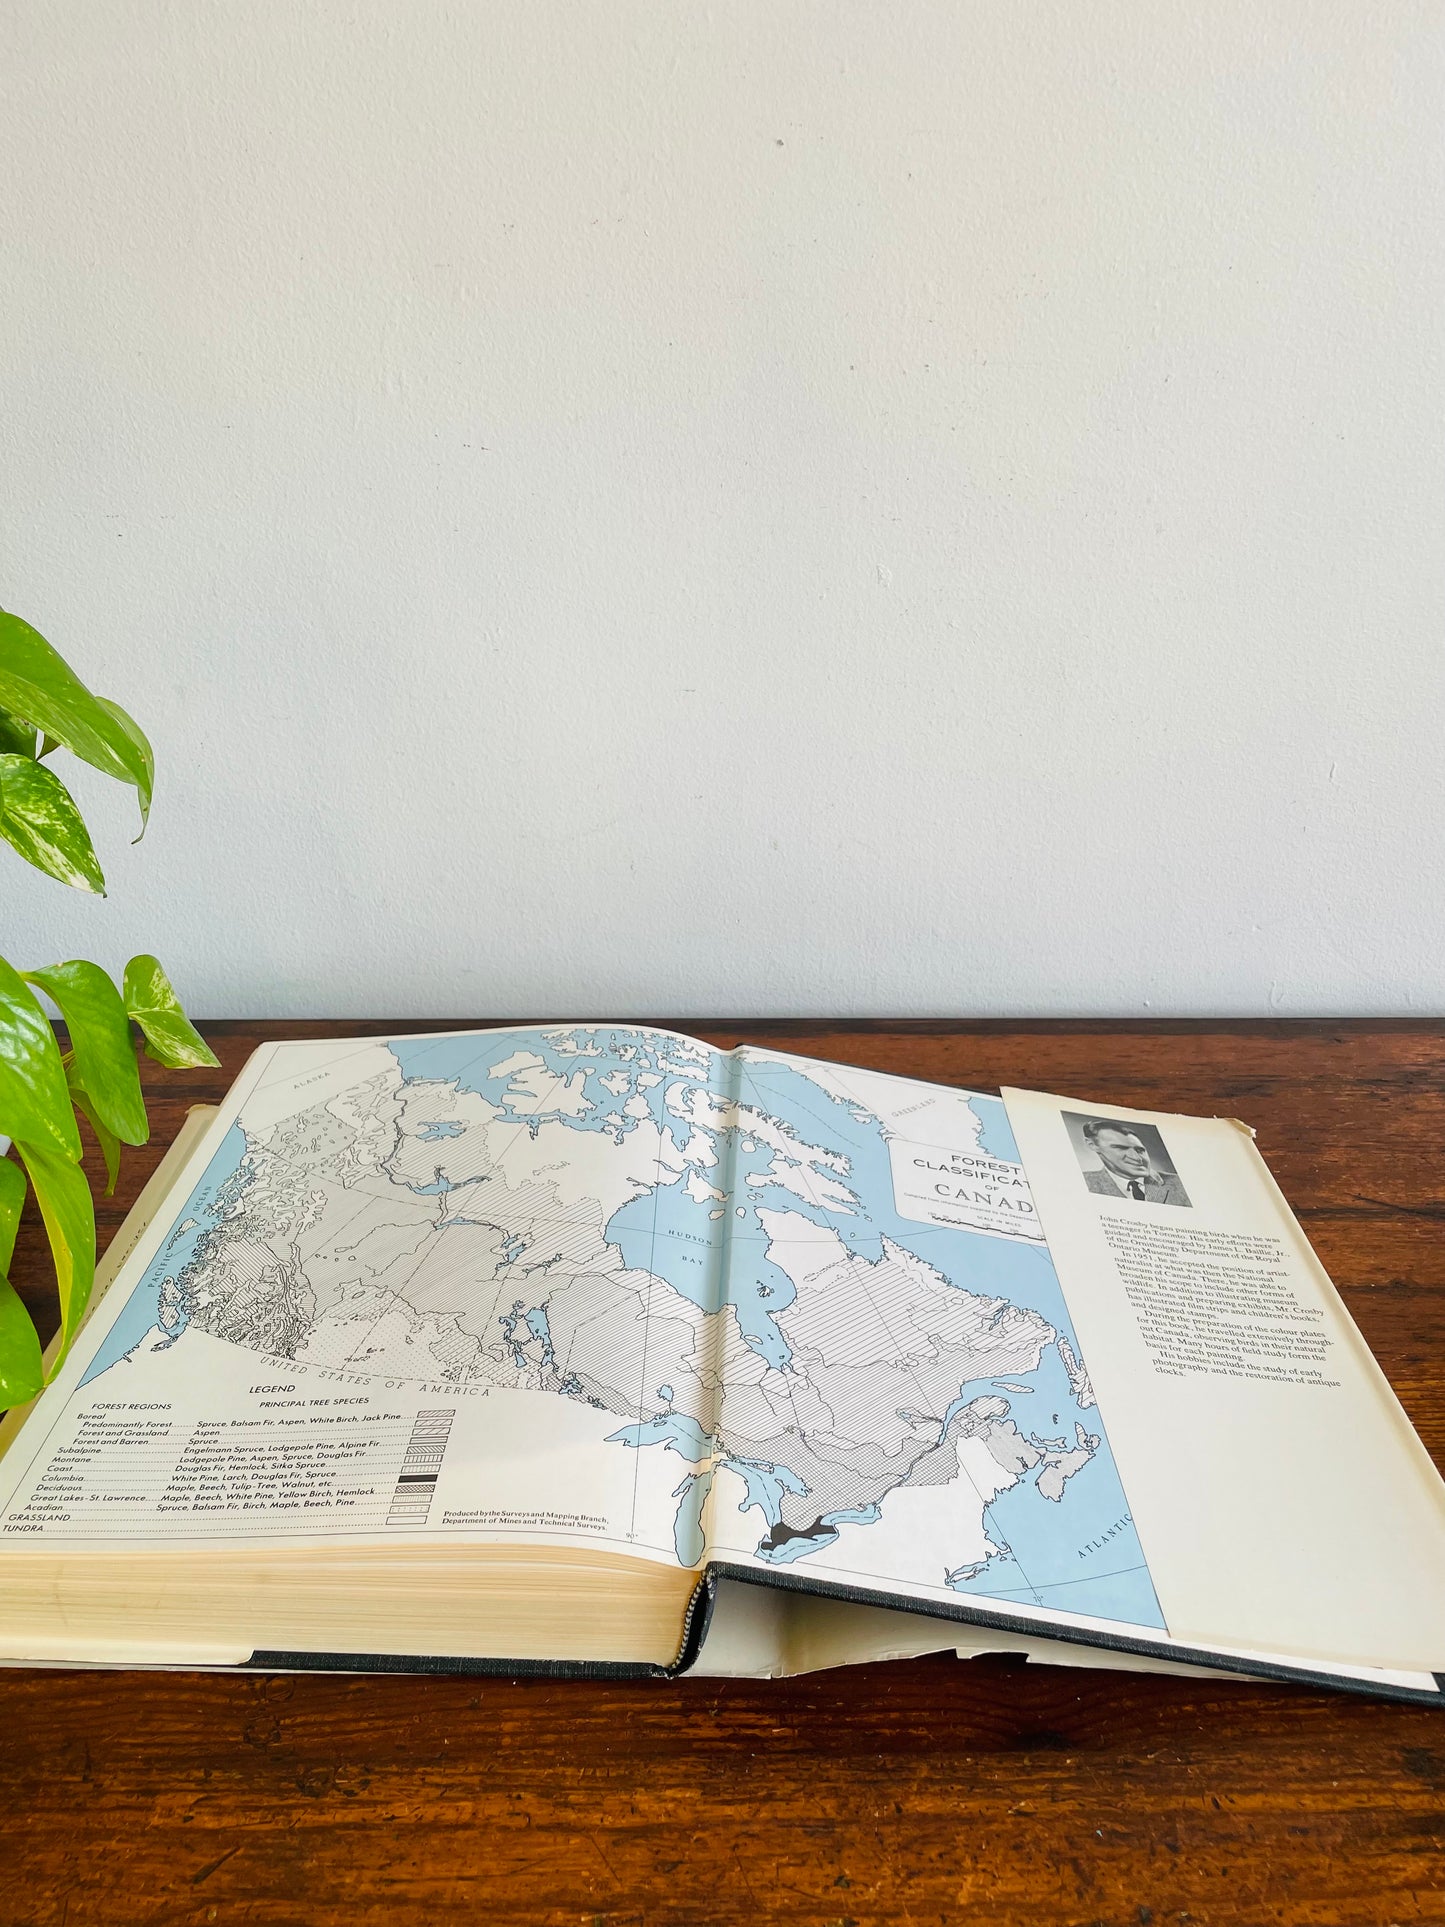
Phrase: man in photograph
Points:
(1128, 1170)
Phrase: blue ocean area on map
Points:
(669, 1213)
(1020, 1272)
(470, 1062)
(1047, 1562)
(765, 1485)
(686, 1437)
(1069, 1553)
(688, 1536)
(667, 1217)
(996, 1136)
(676, 1429)
(142, 1309)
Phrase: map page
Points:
(601, 1285)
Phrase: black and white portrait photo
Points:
(1122, 1159)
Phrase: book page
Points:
(1279, 1495)
(453, 1286)
(904, 1404)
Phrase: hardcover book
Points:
(592, 1348)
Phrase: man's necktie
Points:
(1136, 1190)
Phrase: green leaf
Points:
(145, 755)
(12, 1203)
(34, 1098)
(65, 1204)
(21, 1371)
(39, 686)
(155, 1007)
(38, 817)
(104, 1065)
(47, 743)
(16, 738)
(107, 1140)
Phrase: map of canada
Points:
(707, 1248)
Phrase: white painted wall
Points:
(621, 508)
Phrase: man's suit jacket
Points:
(1159, 1188)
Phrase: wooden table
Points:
(914, 1793)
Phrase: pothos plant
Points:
(44, 706)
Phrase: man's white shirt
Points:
(1121, 1185)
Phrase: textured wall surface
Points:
(620, 508)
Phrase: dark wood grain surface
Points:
(915, 1793)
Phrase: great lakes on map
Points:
(706, 1246)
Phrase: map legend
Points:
(422, 1462)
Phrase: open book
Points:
(594, 1348)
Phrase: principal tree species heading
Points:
(44, 706)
